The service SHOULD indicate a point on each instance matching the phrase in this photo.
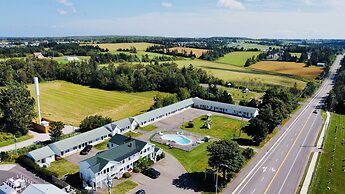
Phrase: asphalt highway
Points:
(279, 166)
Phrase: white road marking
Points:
(273, 170)
(264, 169)
(262, 179)
(253, 191)
(277, 160)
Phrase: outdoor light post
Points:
(15, 143)
(109, 183)
(220, 165)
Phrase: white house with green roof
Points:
(119, 158)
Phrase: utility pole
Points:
(15, 144)
(109, 183)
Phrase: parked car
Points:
(315, 111)
(151, 172)
(86, 150)
(141, 191)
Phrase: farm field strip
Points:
(290, 68)
(114, 46)
(237, 58)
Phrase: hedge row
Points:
(33, 167)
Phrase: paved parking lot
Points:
(170, 169)
(76, 157)
(14, 171)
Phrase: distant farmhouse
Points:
(71, 58)
(123, 152)
(38, 55)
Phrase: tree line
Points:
(336, 98)
(124, 57)
(52, 49)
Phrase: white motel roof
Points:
(76, 140)
(164, 110)
(41, 153)
(198, 101)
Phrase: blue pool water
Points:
(180, 139)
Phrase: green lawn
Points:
(331, 169)
(221, 127)
(148, 128)
(123, 187)
(246, 77)
(102, 146)
(238, 58)
(63, 167)
(71, 103)
(133, 133)
(238, 95)
(6, 139)
(193, 161)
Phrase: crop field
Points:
(246, 77)
(237, 58)
(329, 175)
(197, 52)
(289, 68)
(70, 103)
(114, 46)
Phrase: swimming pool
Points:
(180, 139)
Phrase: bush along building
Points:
(122, 156)
(44, 156)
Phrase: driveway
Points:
(77, 157)
(37, 137)
(170, 169)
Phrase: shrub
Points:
(126, 175)
(248, 153)
(136, 170)
(190, 124)
(32, 166)
(162, 155)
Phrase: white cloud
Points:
(167, 4)
(65, 2)
(231, 4)
(61, 11)
(69, 4)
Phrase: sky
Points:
(307, 19)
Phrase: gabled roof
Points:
(76, 140)
(128, 148)
(199, 101)
(162, 111)
(41, 153)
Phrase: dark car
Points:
(141, 191)
(315, 111)
(86, 150)
(151, 172)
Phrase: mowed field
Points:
(197, 52)
(237, 58)
(70, 103)
(114, 46)
(329, 175)
(253, 79)
(290, 68)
